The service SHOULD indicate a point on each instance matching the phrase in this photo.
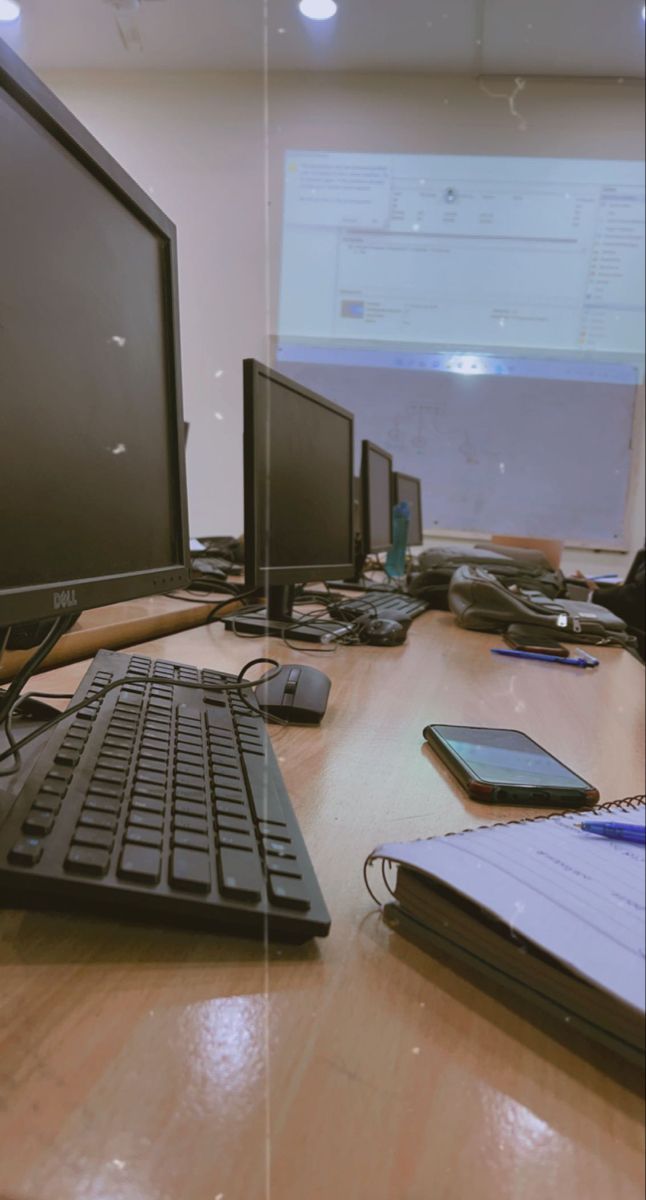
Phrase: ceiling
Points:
(492, 37)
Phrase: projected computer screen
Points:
(454, 251)
(483, 317)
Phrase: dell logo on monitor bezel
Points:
(65, 599)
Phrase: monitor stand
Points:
(277, 620)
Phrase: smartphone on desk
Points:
(534, 640)
(505, 766)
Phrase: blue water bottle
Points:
(396, 557)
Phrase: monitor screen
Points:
(410, 489)
(298, 465)
(376, 474)
(92, 485)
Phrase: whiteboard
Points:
(528, 456)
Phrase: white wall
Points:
(209, 149)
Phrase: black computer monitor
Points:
(377, 492)
(407, 487)
(92, 487)
(298, 495)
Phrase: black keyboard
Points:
(162, 802)
(392, 606)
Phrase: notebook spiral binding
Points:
(626, 804)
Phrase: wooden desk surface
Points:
(138, 1064)
(118, 625)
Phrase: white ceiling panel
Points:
(518, 37)
(563, 37)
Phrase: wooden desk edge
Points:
(123, 631)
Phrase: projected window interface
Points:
(496, 253)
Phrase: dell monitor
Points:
(298, 497)
(408, 488)
(377, 489)
(92, 488)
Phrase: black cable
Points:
(14, 746)
(213, 615)
(129, 680)
(265, 679)
(60, 626)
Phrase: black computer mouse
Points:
(380, 632)
(296, 694)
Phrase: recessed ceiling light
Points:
(318, 10)
(9, 10)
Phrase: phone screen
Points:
(505, 756)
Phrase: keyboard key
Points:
(46, 803)
(147, 804)
(63, 773)
(224, 773)
(153, 791)
(152, 771)
(105, 762)
(187, 744)
(139, 863)
(241, 824)
(230, 808)
(93, 837)
(98, 820)
(101, 775)
(190, 870)
(67, 758)
(147, 820)
(283, 866)
(249, 748)
(107, 804)
(271, 828)
(196, 795)
(225, 763)
(240, 840)
(187, 781)
(110, 753)
(38, 822)
(106, 789)
(265, 796)
(195, 770)
(190, 764)
(26, 853)
(185, 808)
(280, 849)
(72, 743)
(138, 836)
(87, 860)
(229, 793)
(192, 824)
(156, 778)
(117, 743)
(190, 841)
(54, 787)
(240, 874)
(288, 893)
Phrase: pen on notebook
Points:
(615, 830)
(564, 662)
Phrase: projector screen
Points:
(482, 316)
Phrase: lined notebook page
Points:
(579, 896)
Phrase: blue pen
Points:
(564, 662)
(616, 831)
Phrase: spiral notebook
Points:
(554, 913)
